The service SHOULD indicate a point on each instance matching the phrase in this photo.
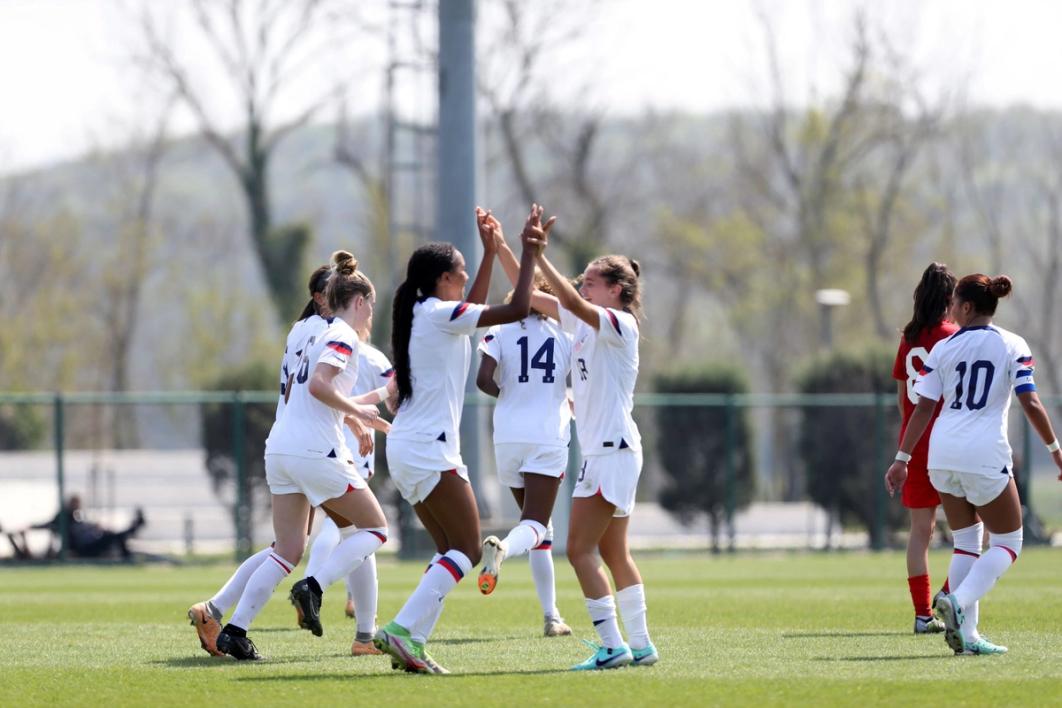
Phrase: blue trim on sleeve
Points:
(1023, 373)
(1025, 388)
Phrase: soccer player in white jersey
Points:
(432, 321)
(525, 366)
(308, 463)
(206, 616)
(374, 373)
(974, 371)
(603, 317)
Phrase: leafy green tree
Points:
(839, 446)
(219, 436)
(692, 447)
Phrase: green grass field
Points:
(751, 629)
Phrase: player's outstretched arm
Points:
(481, 285)
(533, 241)
(1041, 422)
(546, 304)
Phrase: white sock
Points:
(967, 543)
(327, 540)
(363, 589)
(541, 560)
(259, 589)
(523, 537)
(435, 584)
(631, 601)
(1003, 551)
(603, 615)
(356, 546)
(230, 592)
(422, 628)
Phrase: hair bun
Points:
(635, 267)
(344, 262)
(1000, 286)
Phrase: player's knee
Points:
(1009, 542)
(290, 551)
(473, 552)
(578, 555)
(615, 558)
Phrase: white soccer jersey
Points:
(302, 332)
(307, 427)
(374, 371)
(534, 356)
(975, 371)
(604, 371)
(439, 356)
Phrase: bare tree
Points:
(550, 152)
(132, 177)
(263, 49)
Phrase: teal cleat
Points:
(947, 610)
(981, 647)
(646, 656)
(394, 639)
(604, 658)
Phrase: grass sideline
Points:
(747, 629)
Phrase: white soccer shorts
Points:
(317, 478)
(614, 476)
(416, 467)
(978, 489)
(514, 459)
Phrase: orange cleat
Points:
(364, 649)
(206, 627)
(300, 620)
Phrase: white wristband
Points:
(1053, 446)
(902, 456)
(382, 393)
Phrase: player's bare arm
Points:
(485, 377)
(1041, 422)
(542, 302)
(923, 413)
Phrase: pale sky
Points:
(67, 85)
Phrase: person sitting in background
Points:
(86, 539)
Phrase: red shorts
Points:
(918, 492)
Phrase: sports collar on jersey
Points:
(990, 328)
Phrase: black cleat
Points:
(303, 597)
(239, 648)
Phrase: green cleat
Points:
(394, 639)
(646, 656)
(981, 647)
(947, 610)
(604, 658)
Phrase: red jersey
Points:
(917, 491)
(909, 361)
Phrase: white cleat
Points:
(493, 555)
(555, 627)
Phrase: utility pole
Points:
(456, 176)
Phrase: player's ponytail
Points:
(426, 266)
(625, 272)
(931, 299)
(983, 292)
(317, 284)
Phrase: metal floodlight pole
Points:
(456, 183)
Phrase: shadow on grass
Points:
(839, 633)
(396, 674)
(882, 658)
(478, 640)
(201, 662)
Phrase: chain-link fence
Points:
(721, 470)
